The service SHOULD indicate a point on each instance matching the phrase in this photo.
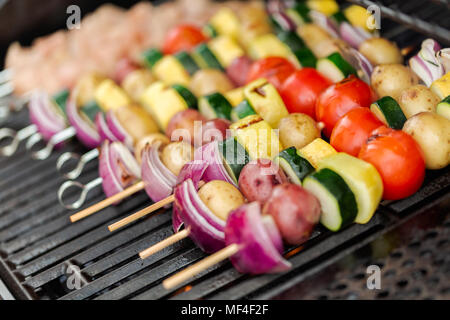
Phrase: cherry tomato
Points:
(353, 130)
(301, 90)
(398, 159)
(340, 98)
(274, 69)
(123, 68)
(183, 38)
(238, 70)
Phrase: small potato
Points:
(381, 51)
(324, 48)
(432, 132)
(313, 35)
(210, 81)
(298, 130)
(295, 211)
(150, 139)
(258, 178)
(417, 99)
(176, 155)
(392, 79)
(136, 121)
(136, 82)
(182, 126)
(221, 198)
(86, 86)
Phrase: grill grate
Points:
(39, 247)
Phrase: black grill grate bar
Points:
(128, 270)
(111, 249)
(80, 233)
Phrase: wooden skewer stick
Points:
(200, 266)
(142, 213)
(164, 243)
(108, 201)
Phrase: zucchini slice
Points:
(242, 110)
(292, 40)
(151, 57)
(90, 110)
(443, 108)
(235, 157)
(306, 58)
(207, 57)
(215, 106)
(188, 62)
(389, 112)
(362, 178)
(189, 98)
(299, 13)
(60, 99)
(295, 166)
(335, 67)
(210, 31)
(339, 17)
(337, 201)
(316, 150)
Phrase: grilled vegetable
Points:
(205, 58)
(299, 13)
(258, 178)
(265, 100)
(183, 37)
(389, 112)
(304, 56)
(327, 7)
(298, 130)
(187, 62)
(392, 79)
(225, 22)
(417, 99)
(176, 154)
(316, 151)
(274, 69)
(149, 140)
(432, 132)
(443, 108)
(337, 201)
(357, 16)
(215, 106)
(226, 50)
(315, 38)
(335, 68)
(169, 70)
(442, 86)
(295, 210)
(381, 51)
(221, 198)
(209, 81)
(235, 96)
(235, 157)
(295, 166)
(257, 137)
(110, 96)
(269, 45)
(183, 124)
(363, 180)
(136, 82)
(244, 109)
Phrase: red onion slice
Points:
(117, 129)
(43, 115)
(284, 21)
(259, 247)
(110, 183)
(354, 36)
(426, 63)
(358, 61)
(126, 158)
(444, 57)
(103, 129)
(201, 223)
(273, 232)
(325, 23)
(193, 170)
(177, 222)
(86, 131)
(159, 181)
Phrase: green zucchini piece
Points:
(242, 110)
(339, 17)
(60, 100)
(389, 112)
(443, 108)
(306, 58)
(292, 40)
(338, 202)
(335, 67)
(188, 62)
(151, 57)
(296, 167)
(187, 95)
(208, 57)
(299, 13)
(210, 31)
(235, 157)
(215, 106)
(90, 110)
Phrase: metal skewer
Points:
(85, 189)
(82, 161)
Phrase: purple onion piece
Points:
(86, 132)
(103, 129)
(107, 170)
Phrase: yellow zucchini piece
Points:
(110, 96)
(317, 150)
(362, 178)
(86, 86)
(225, 49)
(266, 101)
(442, 86)
(257, 137)
(235, 96)
(170, 71)
(162, 102)
(357, 16)
(225, 22)
(327, 7)
(269, 45)
(136, 82)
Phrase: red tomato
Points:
(274, 69)
(183, 38)
(301, 90)
(353, 130)
(238, 70)
(123, 68)
(398, 159)
(340, 98)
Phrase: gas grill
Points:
(44, 256)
